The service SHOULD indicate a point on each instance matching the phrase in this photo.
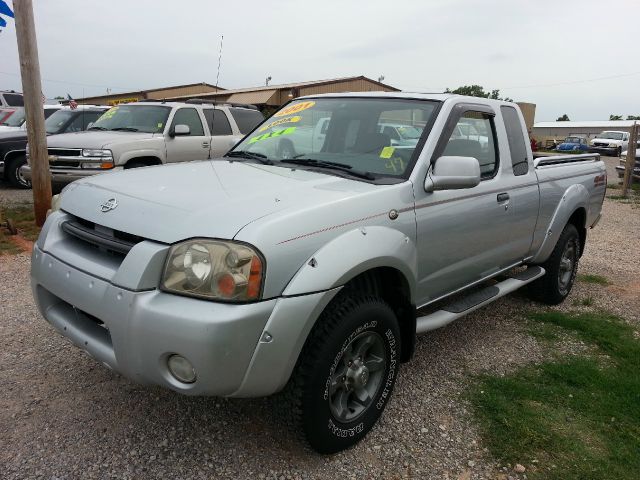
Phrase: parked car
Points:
(13, 143)
(401, 134)
(610, 143)
(572, 144)
(623, 163)
(10, 98)
(240, 275)
(148, 133)
(17, 121)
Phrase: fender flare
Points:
(574, 198)
(352, 253)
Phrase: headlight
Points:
(214, 269)
(96, 152)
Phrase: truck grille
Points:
(598, 144)
(65, 152)
(105, 239)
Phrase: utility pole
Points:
(32, 90)
(631, 160)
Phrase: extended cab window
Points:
(190, 118)
(246, 119)
(217, 121)
(473, 136)
(517, 145)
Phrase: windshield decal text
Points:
(276, 133)
(295, 108)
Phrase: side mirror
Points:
(180, 130)
(453, 173)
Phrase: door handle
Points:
(503, 197)
(205, 144)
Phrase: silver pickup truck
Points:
(313, 272)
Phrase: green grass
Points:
(591, 278)
(578, 417)
(23, 217)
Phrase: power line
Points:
(73, 83)
(588, 80)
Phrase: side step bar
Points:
(477, 299)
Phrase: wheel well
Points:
(148, 161)
(579, 220)
(391, 285)
(10, 156)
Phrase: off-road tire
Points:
(351, 317)
(13, 174)
(549, 289)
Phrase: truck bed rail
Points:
(561, 159)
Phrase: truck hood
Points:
(212, 198)
(94, 139)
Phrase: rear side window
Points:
(246, 119)
(49, 111)
(14, 100)
(517, 142)
(89, 117)
(190, 118)
(217, 121)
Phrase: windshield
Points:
(611, 135)
(57, 121)
(351, 132)
(572, 140)
(133, 118)
(15, 120)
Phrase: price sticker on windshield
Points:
(387, 152)
(280, 122)
(109, 113)
(295, 108)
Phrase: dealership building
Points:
(264, 96)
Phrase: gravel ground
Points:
(62, 416)
(12, 196)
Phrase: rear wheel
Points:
(346, 371)
(561, 269)
(14, 173)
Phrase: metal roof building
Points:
(261, 96)
(276, 95)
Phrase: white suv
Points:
(148, 133)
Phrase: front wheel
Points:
(561, 269)
(346, 372)
(14, 174)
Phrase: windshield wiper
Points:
(343, 167)
(250, 155)
(124, 129)
(96, 128)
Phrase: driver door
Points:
(461, 233)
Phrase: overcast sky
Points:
(567, 56)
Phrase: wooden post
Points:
(631, 161)
(32, 90)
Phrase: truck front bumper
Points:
(242, 350)
(64, 176)
(609, 151)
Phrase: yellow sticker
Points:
(109, 113)
(276, 133)
(280, 122)
(295, 108)
(160, 124)
(387, 152)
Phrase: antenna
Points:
(219, 61)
